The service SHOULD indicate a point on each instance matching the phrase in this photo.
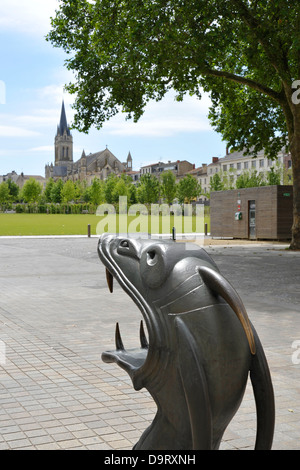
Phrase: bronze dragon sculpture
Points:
(201, 345)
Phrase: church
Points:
(100, 164)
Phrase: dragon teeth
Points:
(110, 280)
(119, 342)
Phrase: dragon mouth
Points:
(129, 359)
(137, 362)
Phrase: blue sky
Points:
(32, 78)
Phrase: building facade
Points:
(21, 179)
(234, 164)
(179, 168)
(100, 164)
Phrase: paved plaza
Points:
(57, 317)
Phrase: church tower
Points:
(129, 162)
(63, 142)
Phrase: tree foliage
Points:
(4, 193)
(96, 195)
(168, 186)
(216, 183)
(56, 191)
(109, 188)
(31, 190)
(48, 190)
(14, 189)
(188, 189)
(148, 189)
(246, 54)
(274, 176)
(68, 191)
(250, 179)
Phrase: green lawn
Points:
(46, 224)
(60, 224)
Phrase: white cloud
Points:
(43, 148)
(158, 127)
(13, 131)
(30, 16)
(47, 106)
(165, 118)
(54, 94)
(39, 119)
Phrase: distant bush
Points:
(20, 208)
(42, 208)
(51, 208)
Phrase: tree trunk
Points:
(295, 152)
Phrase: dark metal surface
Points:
(201, 345)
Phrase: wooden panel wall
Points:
(273, 212)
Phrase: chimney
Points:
(215, 159)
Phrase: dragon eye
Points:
(124, 244)
(151, 258)
(153, 266)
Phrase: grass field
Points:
(60, 224)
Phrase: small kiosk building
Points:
(263, 213)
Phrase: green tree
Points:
(87, 194)
(274, 176)
(245, 53)
(96, 191)
(13, 190)
(148, 189)
(120, 189)
(132, 194)
(188, 189)
(31, 190)
(4, 193)
(109, 187)
(250, 179)
(68, 191)
(79, 189)
(56, 191)
(216, 183)
(168, 186)
(48, 189)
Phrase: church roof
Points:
(60, 171)
(63, 124)
(103, 157)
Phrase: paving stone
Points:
(57, 317)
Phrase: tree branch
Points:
(275, 54)
(278, 97)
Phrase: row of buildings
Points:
(103, 163)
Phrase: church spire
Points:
(63, 142)
(63, 125)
